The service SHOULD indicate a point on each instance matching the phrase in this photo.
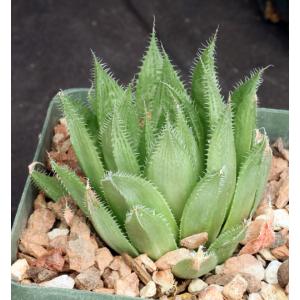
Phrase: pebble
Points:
(81, 253)
(219, 269)
(30, 260)
(58, 138)
(283, 274)
(236, 288)
(46, 274)
(149, 290)
(210, 293)
(60, 242)
(40, 274)
(118, 264)
(26, 281)
(271, 272)
(57, 232)
(253, 230)
(19, 269)
(147, 262)
(31, 235)
(278, 166)
(172, 258)
(197, 285)
(259, 258)
(110, 277)
(183, 296)
(254, 296)
(281, 219)
(283, 193)
(218, 287)
(259, 236)
(89, 279)
(40, 201)
(79, 228)
(128, 286)
(272, 292)
(103, 258)
(194, 241)
(32, 249)
(280, 239)
(281, 253)
(266, 254)
(164, 278)
(53, 260)
(254, 285)
(245, 263)
(41, 220)
(63, 281)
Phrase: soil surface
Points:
(51, 42)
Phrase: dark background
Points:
(51, 42)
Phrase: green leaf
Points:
(264, 170)
(224, 246)
(105, 93)
(204, 210)
(122, 192)
(106, 226)
(147, 137)
(221, 155)
(50, 185)
(149, 76)
(171, 169)
(88, 116)
(205, 87)
(125, 136)
(246, 186)
(83, 144)
(106, 144)
(163, 102)
(196, 266)
(128, 113)
(72, 183)
(244, 102)
(124, 156)
(149, 232)
(185, 134)
(192, 116)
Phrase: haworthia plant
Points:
(161, 163)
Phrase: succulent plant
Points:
(163, 163)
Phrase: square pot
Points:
(274, 121)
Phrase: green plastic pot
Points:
(274, 121)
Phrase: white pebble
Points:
(63, 281)
(19, 269)
(149, 290)
(197, 285)
(254, 296)
(57, 232)
(271, 272)
(281, 219)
